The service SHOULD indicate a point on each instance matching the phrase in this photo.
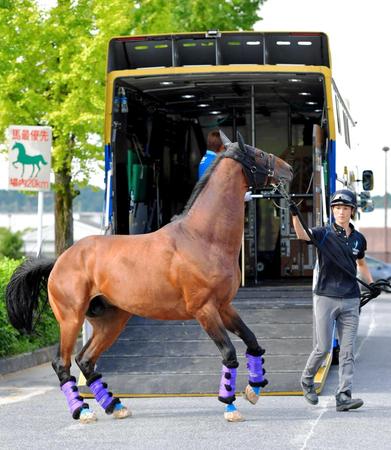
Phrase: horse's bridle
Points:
(257, 174)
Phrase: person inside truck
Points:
(336, 295)
(215, 146)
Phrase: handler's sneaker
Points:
(309, 393)
(344, 401)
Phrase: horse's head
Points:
(260, 168)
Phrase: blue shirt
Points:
(330, 280)
(205, 162)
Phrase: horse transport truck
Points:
(164, 93)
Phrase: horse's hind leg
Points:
(211, 322)
(106, 329)
(69, 330)
(256, 379)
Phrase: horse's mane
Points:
(202, 182)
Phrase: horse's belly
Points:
(162, 304)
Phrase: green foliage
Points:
(11, 244)
(11, 342)
(167, 16)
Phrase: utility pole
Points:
(385, 150)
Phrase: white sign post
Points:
(29, 155)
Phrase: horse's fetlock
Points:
(227, 384)
(102, 395)
(74, 400)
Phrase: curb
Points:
(30, 359)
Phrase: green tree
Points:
(165, 16)
(52, 72)
(11, 244)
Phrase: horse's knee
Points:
(63, 372)
(85, 365)
(229, 356)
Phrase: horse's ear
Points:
(224, 139)
(241, 143)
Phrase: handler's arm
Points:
(364, 270)
(300, 231)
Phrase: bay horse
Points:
(27, 160)
(188, 269)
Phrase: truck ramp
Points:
(159, 357)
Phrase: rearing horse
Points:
(27, 160)
(186, 270)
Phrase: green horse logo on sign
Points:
(27, 160)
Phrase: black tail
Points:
(25, 290)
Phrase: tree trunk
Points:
(63, 211)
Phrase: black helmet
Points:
(344, 197)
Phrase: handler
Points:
(215, 146)
(336, 295)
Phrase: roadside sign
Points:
(29, 156)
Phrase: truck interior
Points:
(159, 131)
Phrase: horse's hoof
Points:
(87, 416)
(121, 412)
(250, 395)
(233, 416)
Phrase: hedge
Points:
(11, 341)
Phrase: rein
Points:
(256, 176)
(365, 297)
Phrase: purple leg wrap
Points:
(256, 371)
(227, 385)
(101, 394)
(75, 402)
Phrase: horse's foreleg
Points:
(69, 329)
(210, 320)
(256, 379)
(106, 329)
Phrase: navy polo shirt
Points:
(330, 280)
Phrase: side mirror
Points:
(367, 180)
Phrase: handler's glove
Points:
(293, 209)
(248, 196)
(375, 290)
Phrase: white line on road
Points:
(22, 394)
(315, 422)
(370, 330)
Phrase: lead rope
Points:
(365, 297)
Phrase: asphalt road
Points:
(33, 413)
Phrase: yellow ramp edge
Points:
(320, 377)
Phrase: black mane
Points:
(202, 182)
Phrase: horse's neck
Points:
(21, 150)
(218, 212)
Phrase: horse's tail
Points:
(26, 289)
(42, 160)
